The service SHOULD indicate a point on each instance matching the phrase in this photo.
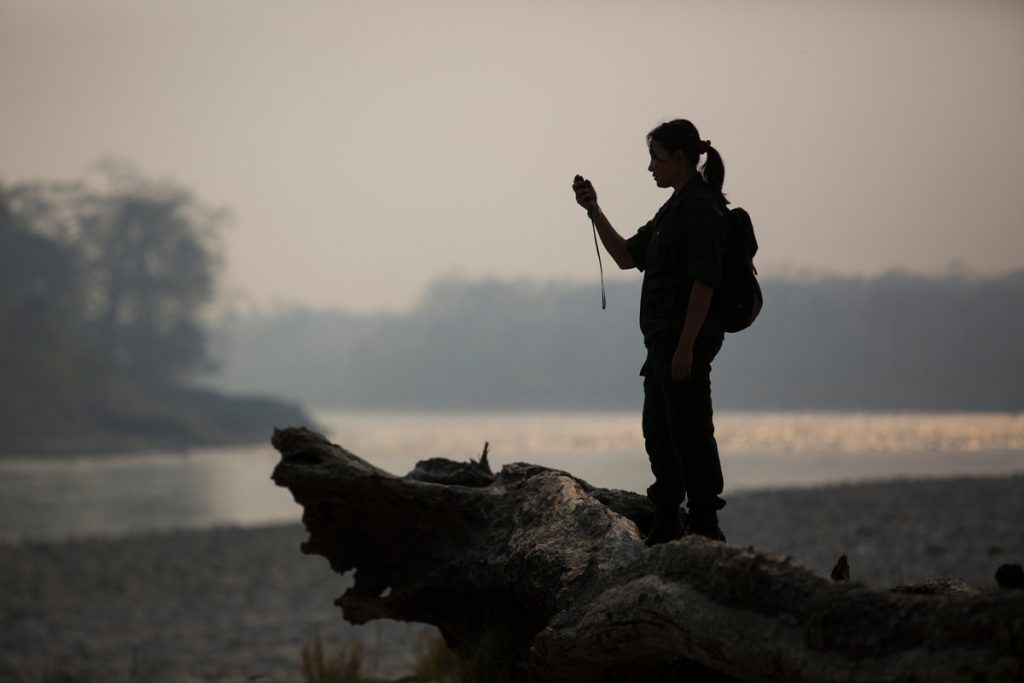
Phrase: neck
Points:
(684, 178)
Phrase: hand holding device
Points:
(587, 198)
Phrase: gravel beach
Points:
(234, 604)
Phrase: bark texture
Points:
(534, 575)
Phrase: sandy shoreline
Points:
(237, 604)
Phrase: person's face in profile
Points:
(666, 167)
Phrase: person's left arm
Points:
(705, 245)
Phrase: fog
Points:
(382, 192)
(366, 149)
(895, 342)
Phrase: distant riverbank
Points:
(157, 420)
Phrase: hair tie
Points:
(705, 145)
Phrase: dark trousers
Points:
(678, 430)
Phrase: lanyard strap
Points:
(604, 301)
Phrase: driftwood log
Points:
(534, 575)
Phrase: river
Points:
(83, 496)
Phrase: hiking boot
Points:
(668, 525)
(704, 523)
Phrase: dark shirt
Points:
(683, 243)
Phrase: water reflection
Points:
(60, 497)
(406, 435)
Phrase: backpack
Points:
(738, 297)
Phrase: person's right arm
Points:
(614, 243)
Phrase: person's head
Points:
(675, 148)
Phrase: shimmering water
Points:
(116, 494)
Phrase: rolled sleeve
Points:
(637, 246)
(705, 242)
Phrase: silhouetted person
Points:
(680, 253)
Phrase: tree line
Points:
(103, 286)
(892, 342)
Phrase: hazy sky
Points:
(366, 148)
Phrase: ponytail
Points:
(713, 169)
